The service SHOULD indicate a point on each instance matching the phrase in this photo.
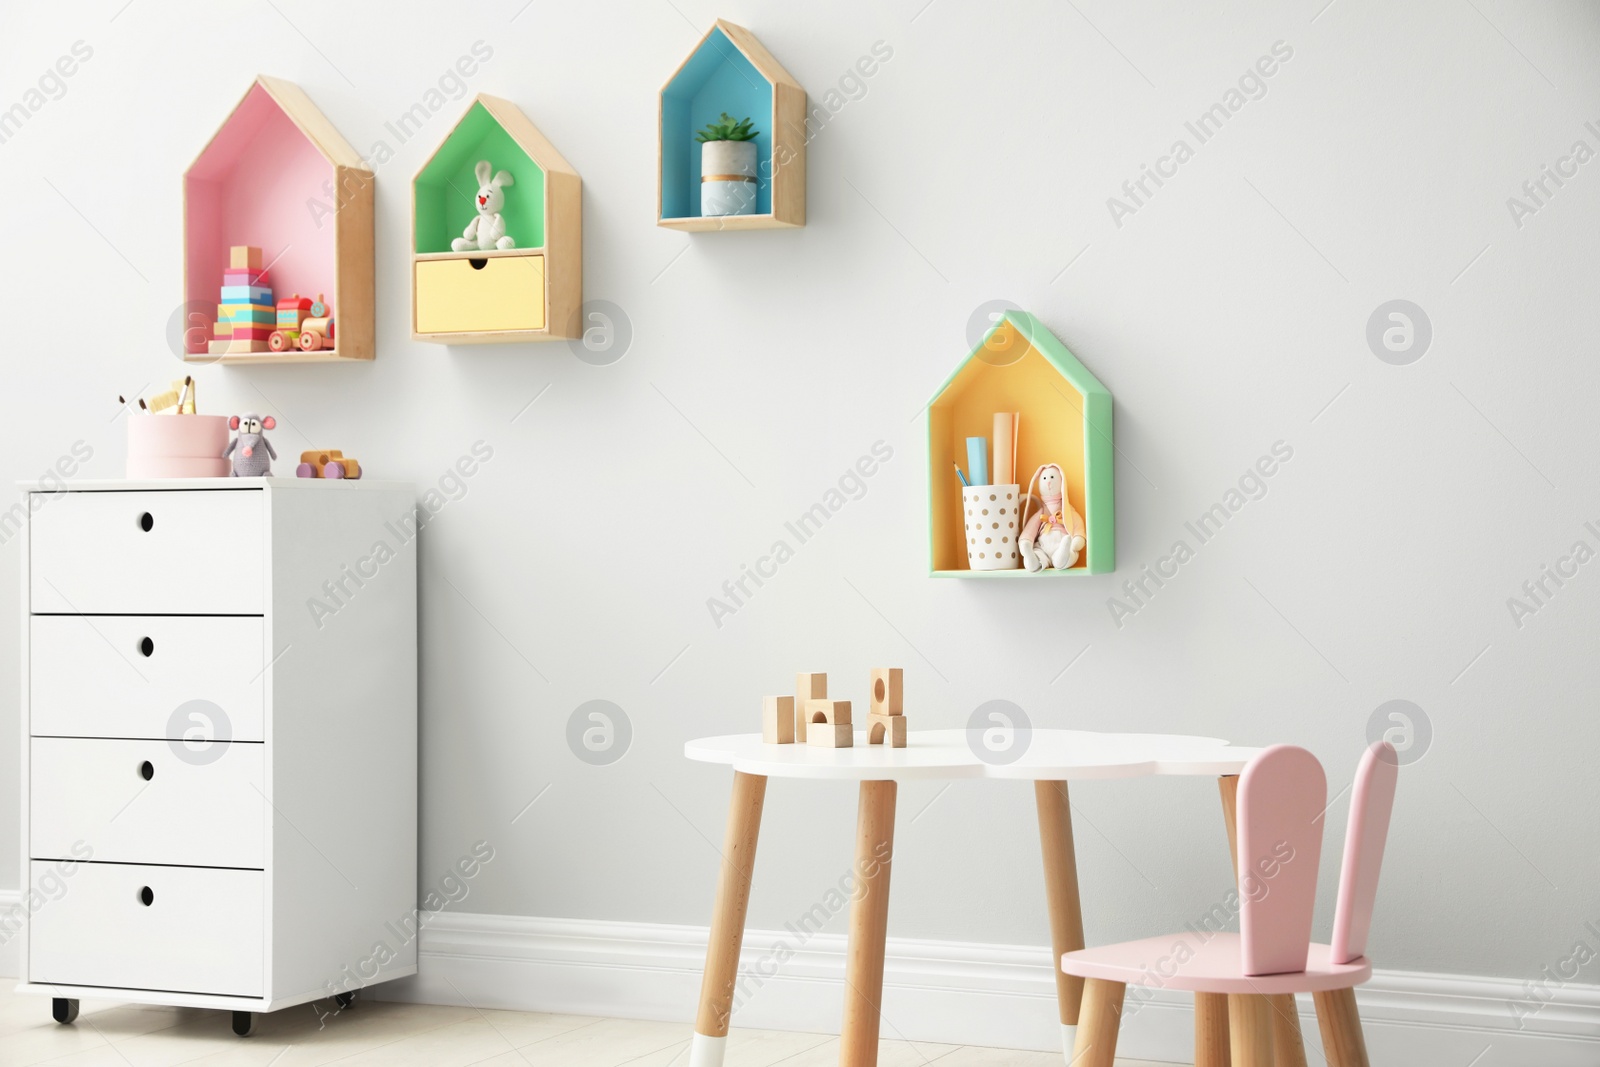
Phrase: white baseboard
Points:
(959, 993)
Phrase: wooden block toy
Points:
(237, 345)
(224, 331)
(777, 720)
(257, 278)
(316, 334)
(828, 712)
(244, 257)
(830, 735)
(246, 294)
(243, 331)
(888, 691)
(806, 687)
(886, 729)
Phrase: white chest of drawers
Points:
(219, 717)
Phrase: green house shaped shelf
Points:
(1065, 418)
(531, 292)
(730, 71)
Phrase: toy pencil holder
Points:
(990, 513)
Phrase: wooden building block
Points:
(806, 687)
(886, 730)
(777, 720)
(830, 735)
(244, 257)
(828, 712)
(888, 691)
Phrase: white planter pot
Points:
(727, 178)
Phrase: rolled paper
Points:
(978, 460)
(1004, 452)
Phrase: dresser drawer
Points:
(202, 931)
(92, 677)
(500, 293)
(86, 791)
(201, 555)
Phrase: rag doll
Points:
(1054, 534)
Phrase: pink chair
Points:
(1282, 797)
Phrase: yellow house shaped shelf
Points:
(1065, 419)
(531, 292)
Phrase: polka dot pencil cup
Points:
(990, 513)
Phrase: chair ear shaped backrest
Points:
(1371, 804)
(1282, 795)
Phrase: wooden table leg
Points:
(869, 926)
(1061, 892)
(727, 921)
(1342, 1040)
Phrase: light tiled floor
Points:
(418, 1035)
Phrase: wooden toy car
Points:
(329, 463)
(316, 334)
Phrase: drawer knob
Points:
(147, 770)
(147, 522)
(146, 896)
(147, 647)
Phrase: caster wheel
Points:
(243, 1023)
(344, 1000)
(63, 1010)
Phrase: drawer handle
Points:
(146, 896)
(147, 522)
(479, 264)
(147, 647)
(147, 770)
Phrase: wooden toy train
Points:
(302, 323)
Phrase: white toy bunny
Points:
(487, 232)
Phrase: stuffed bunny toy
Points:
(487, 232)
(254, 452)
(1054, 535)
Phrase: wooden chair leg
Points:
(1342, 1041)
(1099, 1018)
(727, 918)
(1250, 1030)
(869, 926)
(1061, 891)
(1211, 1030)
(1288, 1047)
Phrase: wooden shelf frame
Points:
(277, 174)
(730, 70)
(1066, 418)
(542, 174)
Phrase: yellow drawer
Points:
(505, 293)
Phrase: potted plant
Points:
(728, 167)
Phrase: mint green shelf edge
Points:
(1099, 497)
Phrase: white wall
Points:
(1228, 313)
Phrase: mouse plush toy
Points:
(1054, 535)
(251, 451)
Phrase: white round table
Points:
(1048, 758)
